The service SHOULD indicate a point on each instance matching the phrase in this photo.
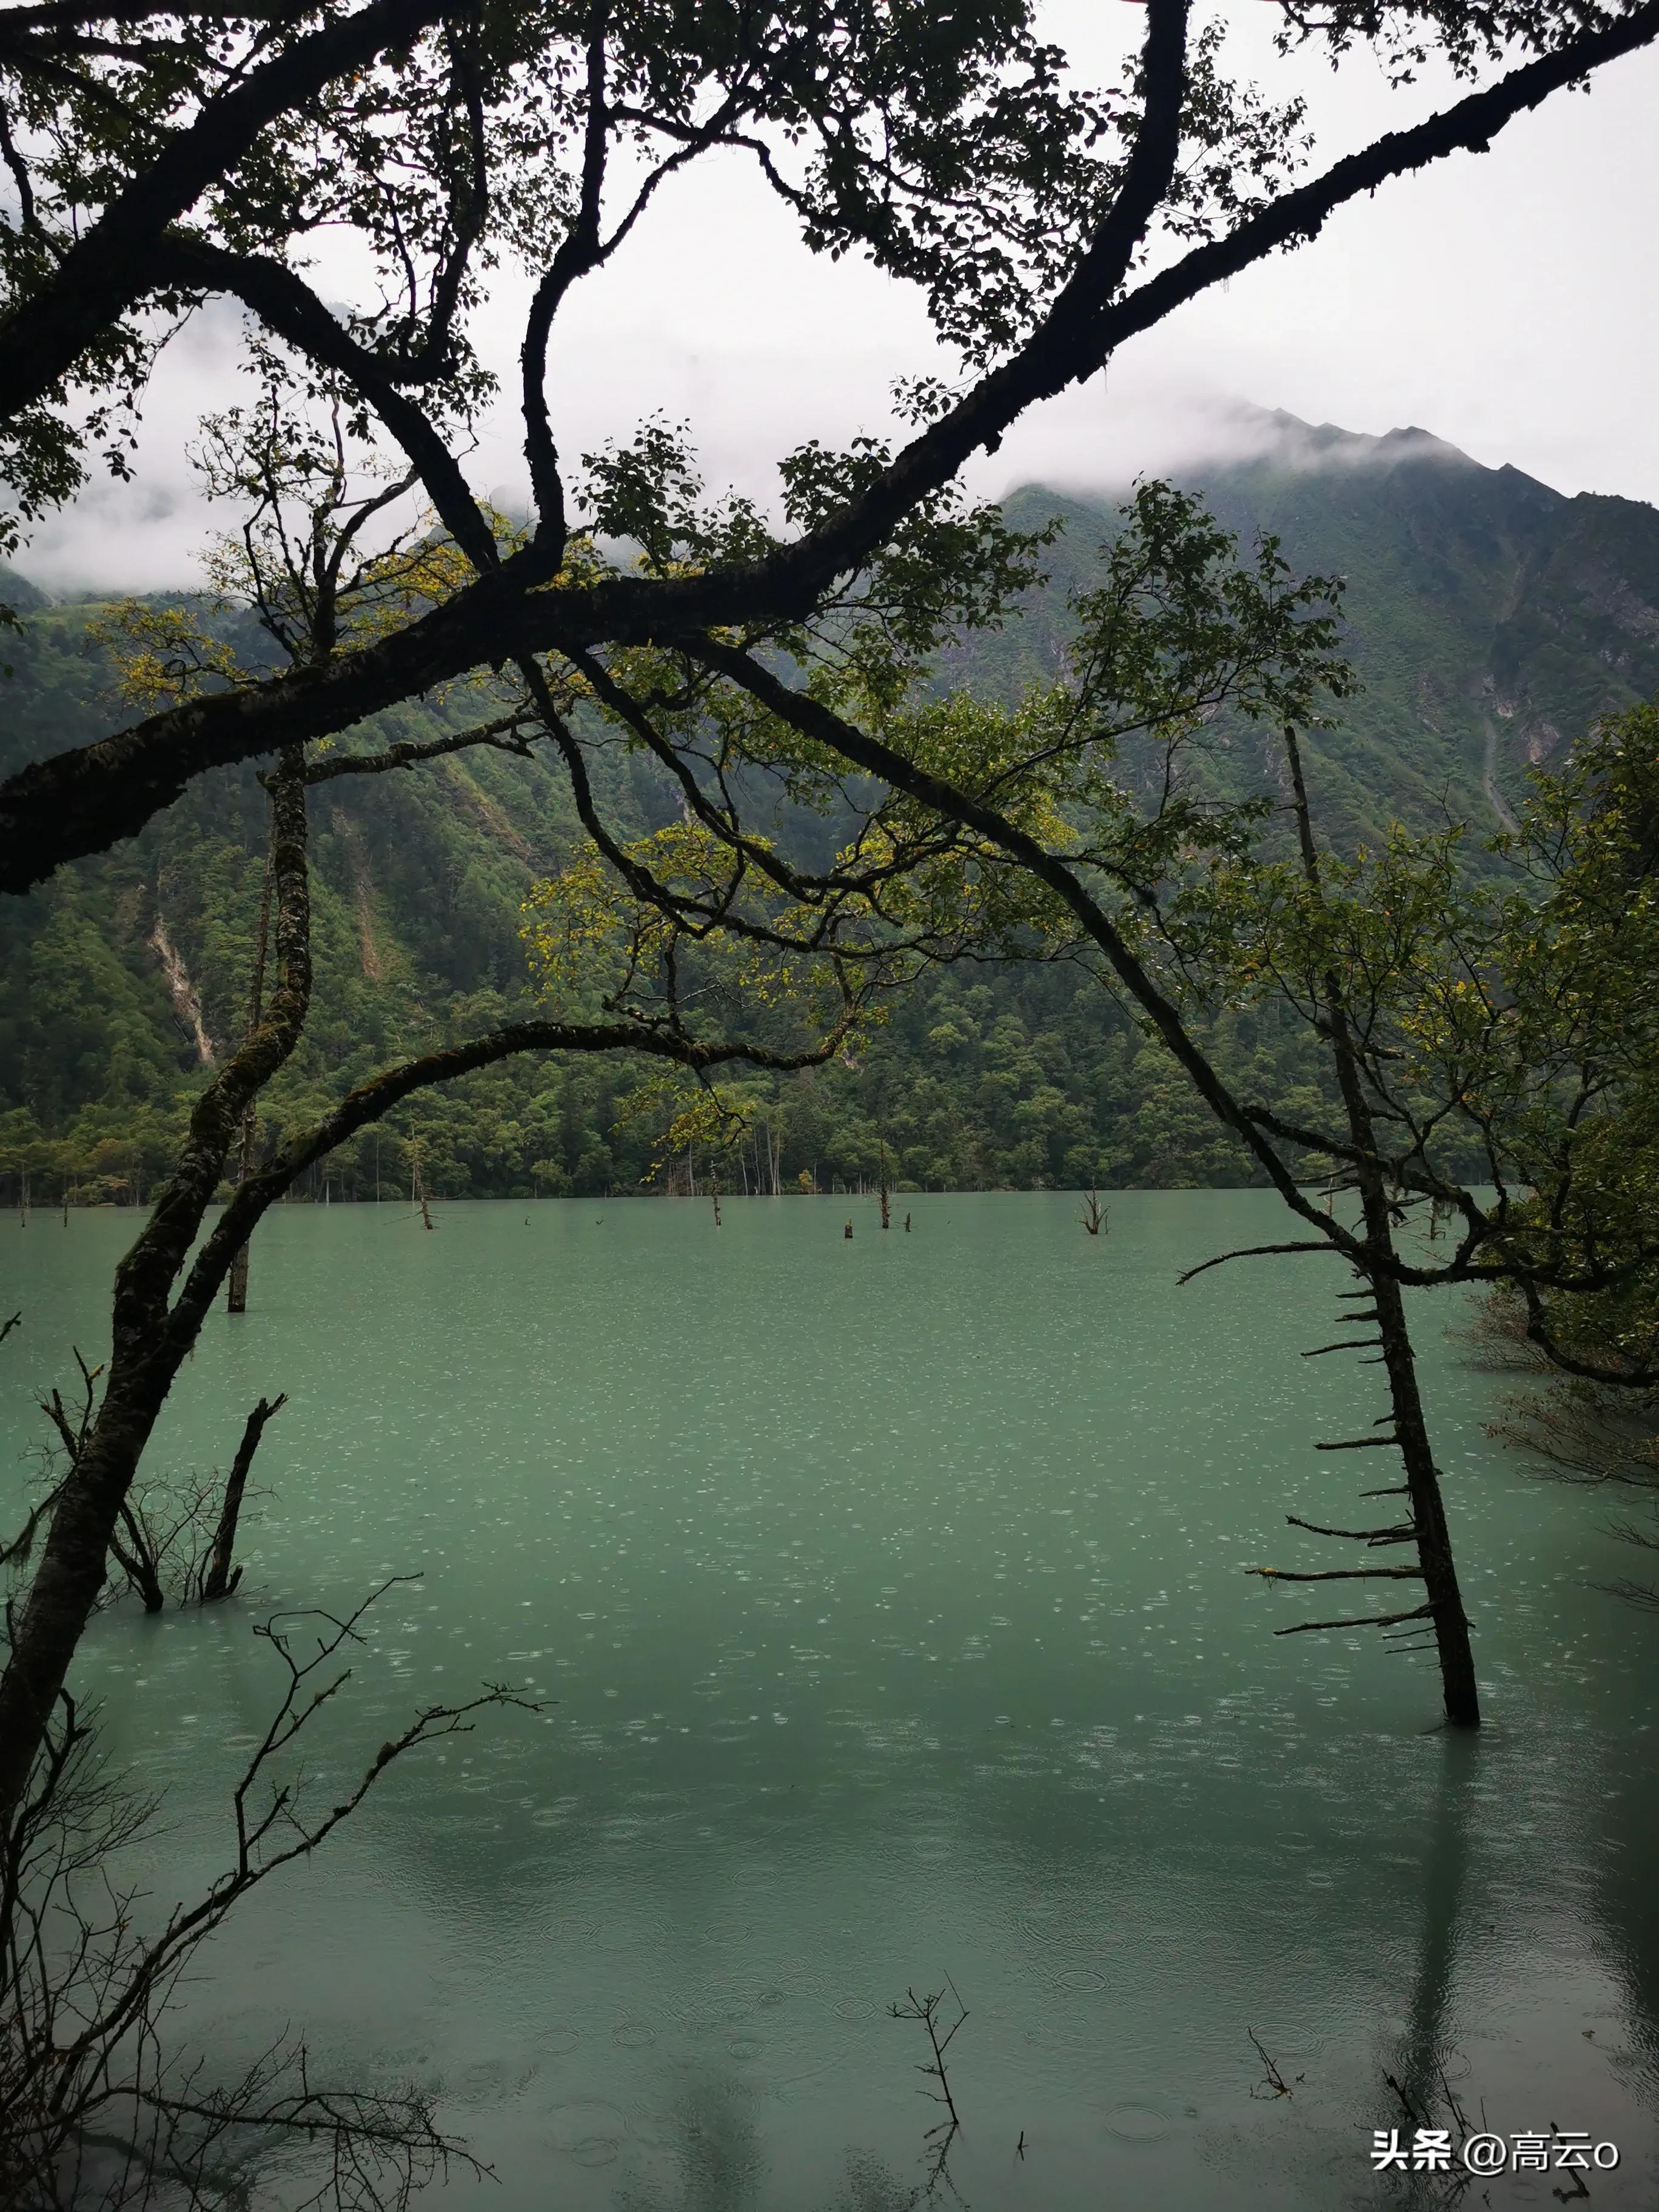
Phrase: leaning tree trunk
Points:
(1426, 1522)
(222, 1579)
(1426, 1514)
(148, 1341)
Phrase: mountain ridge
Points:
(1476, 596)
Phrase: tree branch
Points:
(374, 1098)
(287, 304)
(411, 750)
(112, 266)
(81, 802)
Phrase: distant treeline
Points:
(1023, 1079)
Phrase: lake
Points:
(885, 1601)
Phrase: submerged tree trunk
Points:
(221, 1578)
(236, 1291)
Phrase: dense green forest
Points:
(1490, 619)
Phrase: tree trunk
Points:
(1428, 1511)
(418, 1189)
(149, 1341)
(236, 1296)
(221, 1580)
(71, 1571)
(1422, 1485)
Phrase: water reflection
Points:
(709, 2148)
(1427, 2049)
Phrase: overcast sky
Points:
(1506, 302)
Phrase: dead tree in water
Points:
(132, 1544)
(943, 2134)
(222, 1579)
(1424, 1526)
(161, 1539)
(1094, 1213)
(417, 1188)
(883, 1191)
(926, 2010)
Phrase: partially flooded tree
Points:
(176, 1534)
(941, 2023)
(216, 1576)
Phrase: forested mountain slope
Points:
(1490, 617)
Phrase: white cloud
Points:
(143, 534)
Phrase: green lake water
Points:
(886, 1600)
